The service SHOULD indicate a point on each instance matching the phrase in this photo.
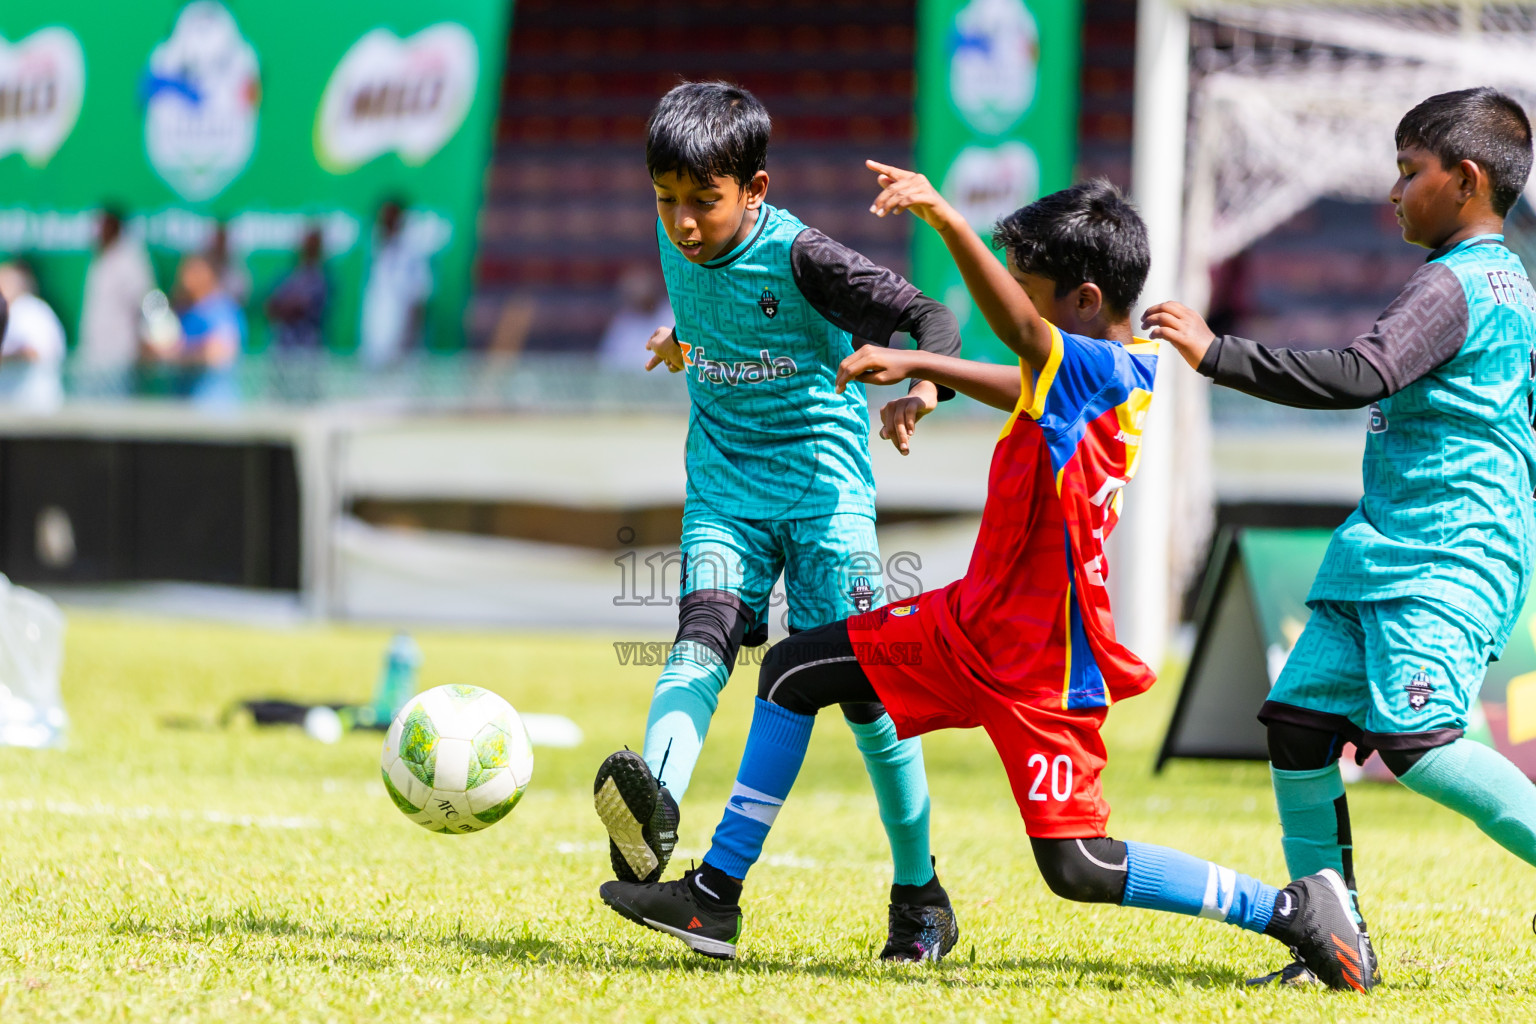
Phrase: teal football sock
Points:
(1481, 783)
(685, 700)
(901, 790)
(1314, 824)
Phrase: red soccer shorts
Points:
(1052, 756)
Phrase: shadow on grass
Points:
(528, 946)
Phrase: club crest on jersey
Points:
(1418, 689)
(861, 594)
(749, 371)
(769, 304)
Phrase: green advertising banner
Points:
(266, 116)
(997, 87)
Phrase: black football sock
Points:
(715, 888)
(929, 894)
(1289, 905)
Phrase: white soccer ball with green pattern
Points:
(456, 759)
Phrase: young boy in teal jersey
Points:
(1421, 586)
(779, 477)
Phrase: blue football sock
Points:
(1158, 878)
(775, 750)
(685, 700)
(1481, 783)
(901, 790)
(1314, 824)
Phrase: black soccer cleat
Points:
(677, 909)
(919, 931)
(640, 816)
(1312, 915)
(1299, 974)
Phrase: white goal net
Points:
(1293, 102)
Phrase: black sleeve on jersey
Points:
(1423, 327)
(869, 301)
(1330, 378)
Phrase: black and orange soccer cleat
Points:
(1312, 916)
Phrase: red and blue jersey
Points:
(1033, 607)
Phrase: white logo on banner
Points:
(985, 184)
(409, 96)
(996, 48)
(42, 81)
(201, 94)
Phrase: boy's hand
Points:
(664, 349)
(908, 190)
(899, 416)
(1181, 327)
(875, 364)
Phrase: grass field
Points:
(158, 872)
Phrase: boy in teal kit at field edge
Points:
(1422, 585)
(779, 477)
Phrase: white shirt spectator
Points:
(399, 283)
(115, 285)
(623, 344)
(32, 357)
(643, 308)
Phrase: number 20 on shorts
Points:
(1059, 770)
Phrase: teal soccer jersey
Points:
(762, 329)
(1449, 454)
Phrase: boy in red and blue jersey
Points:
(1023, 645)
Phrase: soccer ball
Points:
(456, 759)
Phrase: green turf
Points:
(154, 872)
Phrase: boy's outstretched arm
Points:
(1010, 314)
(1424, 326)
(996, 385)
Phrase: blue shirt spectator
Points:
(212, 335)
(296, 307)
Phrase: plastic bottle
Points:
(397, 681)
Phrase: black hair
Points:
(1086, 234)
(708, 130)
(1482, 125)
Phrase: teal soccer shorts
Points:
(831, 564)
(1399, 674)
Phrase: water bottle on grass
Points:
(397, 681)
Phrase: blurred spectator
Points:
(395, 297)
(296, 307)
(212, 335)
(31, 347)
(234, 278)
(513, 325)
(643, 308)
(115, 285)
